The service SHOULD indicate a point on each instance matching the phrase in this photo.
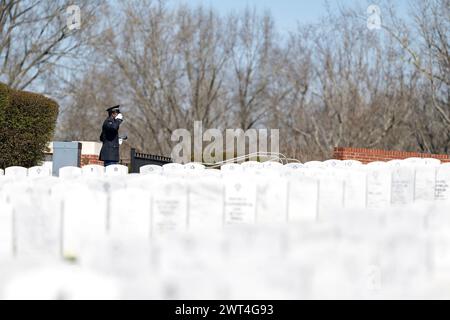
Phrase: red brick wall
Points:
(90, 159)
(371, 155)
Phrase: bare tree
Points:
(35, 39)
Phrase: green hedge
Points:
(27, 123)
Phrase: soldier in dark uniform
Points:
(110, 137)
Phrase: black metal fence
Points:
(139, 160)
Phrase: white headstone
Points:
(425, 183)
(396, 163)
(213, 173)
(172, 167)
(93, 170)
(355, 189)
(431, 162)
(194, 166)
(150, 169)
(378, 187)
(169, 207)
(38, 172)
(377, 164)
(272, 165)
(331, 195)
(294, 165)
(240, 200)
(231, 168)
(130, 213)
(303, 196)
(116, 170)
(414, 161)
(85, 216)
(2, 172)
(402, 188)
(314, 164)
(442, 190)
(37, 230)
(206, 210)
(351, 164)
(271, 200)
(251, 165)
(333, 163)
(6, 229)
(69, 172)
(16, 172)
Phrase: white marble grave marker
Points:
(332, 163)
(231, 168)
(116, 170)
(169, 207)
(402, 187)
(251, 166)
(84, 213)
(272, 165)
(378, 187)
(206, 210)
(355, 182)
(294, 166)
(37, 230)
(442, 190)
(2, 172)
(331, 195)
(351, 164)
(303, 195)
(271, 199)
(93, 170)
(425, 183)
(130, 213)
(69, 172)
(194, 166)
(16, 172)
(150, 169)
(38, 172)
(6, 229)
(240, 200)
(172, 167)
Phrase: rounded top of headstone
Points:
(194, 166)
(351, 163)
(69, 172)
(39, 171)
(431, 162)
(272, 165)
(16, 172)
(396, 163)
(150, 169)
(332, 163)
(294, 165)
(251, 164)
(93, 170)
(231, 167)
(169, 167)
(377, 164)
(2, 172)
(116, 170)
(314, 164)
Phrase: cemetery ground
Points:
(333, 229)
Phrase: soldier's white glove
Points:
(119, 117)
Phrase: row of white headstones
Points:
(66, 211)
(317, 213)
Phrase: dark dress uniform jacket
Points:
(110, 139)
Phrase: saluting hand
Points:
(119, 117)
